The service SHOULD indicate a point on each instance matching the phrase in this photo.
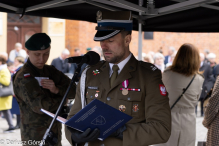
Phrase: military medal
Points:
(125, 92)
(96, 95)
(125, 85)
(122, 108)
(95, 72)
(135, 108)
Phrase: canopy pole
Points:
(140, 34)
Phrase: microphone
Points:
(89, 58)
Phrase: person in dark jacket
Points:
(208, 82)
(60, 63)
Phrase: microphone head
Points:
(94, 58)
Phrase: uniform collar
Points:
(120, 65)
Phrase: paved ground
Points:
(12, 138)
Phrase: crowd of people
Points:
(170, 86)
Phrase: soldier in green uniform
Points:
(37, 86)
(131, 86)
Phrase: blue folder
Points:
(97, 115)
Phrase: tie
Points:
(114, 75)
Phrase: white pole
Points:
(140, 35)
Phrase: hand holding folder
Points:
(96, 115)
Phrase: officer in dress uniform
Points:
(131, 86)
(37, 86)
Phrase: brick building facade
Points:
(79, 34)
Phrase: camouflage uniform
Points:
(32, 97)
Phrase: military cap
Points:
(38, 41)
(110, 24)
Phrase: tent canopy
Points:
(156, 15)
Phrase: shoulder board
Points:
(148, 65)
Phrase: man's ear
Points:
(128, 39)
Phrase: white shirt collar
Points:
(120, 65)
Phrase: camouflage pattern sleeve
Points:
(62, 82)
(29, 91)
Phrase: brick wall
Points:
(80, 34)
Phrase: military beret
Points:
(38, 41)
(110, 24)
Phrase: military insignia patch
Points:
(135, 108)
(43, 47)
(122, 108)
(163, 90)
(153, 68)
(95, 72)
(27, 75)
(99, 15)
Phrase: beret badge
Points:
(43, 47)
(99, 15)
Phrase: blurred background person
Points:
(172, 58)
(17, 51)
(211, 117)
(208, 82)
(211, 58)
(61, 63)
(147, 58)
(176, 78)
(168, 58)
(6, 102)
(206, 52)
(74, 66)
(18, 63)
(159, 61)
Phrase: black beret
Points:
(38, 41)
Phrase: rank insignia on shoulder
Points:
(135, 108)
(95, 72)
(122, 108)
(153, 68)
(27, 75)
(163, 90)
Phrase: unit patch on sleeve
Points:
(163, 90)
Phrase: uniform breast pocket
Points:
(133, 103)
(92, 94)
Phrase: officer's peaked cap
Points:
(110, 24)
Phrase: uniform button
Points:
(108, 98)
(129, 98)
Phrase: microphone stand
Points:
(49, 136)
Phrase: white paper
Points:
(40, 78)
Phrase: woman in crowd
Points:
(5, 102)
(147, 58)
(159, 61)
(18, 63)
(211, 117)
(176, 78)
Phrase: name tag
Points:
(93, 88)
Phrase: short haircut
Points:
(76, 49)
(66, 51)
(3, 59)
(18, 45)
(125, 33)
(187, 60)
(20, 59)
